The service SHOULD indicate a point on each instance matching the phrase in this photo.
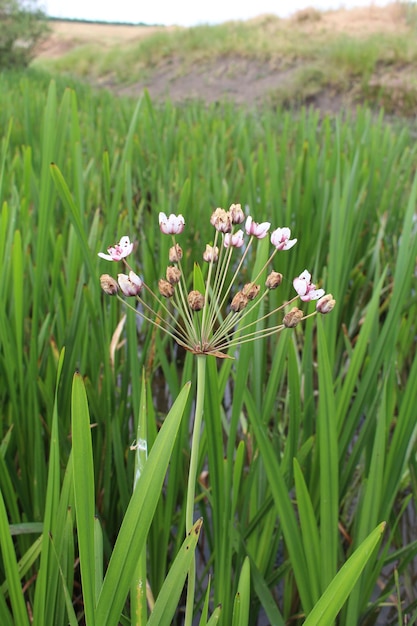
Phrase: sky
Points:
(186, 12)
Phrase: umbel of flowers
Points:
(214, 319)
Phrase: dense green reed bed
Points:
(308, 439)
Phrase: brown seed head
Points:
(221, 220)
(251, 290)
(173, 275)
(239, 302)
(273, 280)
(325, 304)
(109, 284)
(195, 300)
(175, 253)
(292, 318)
(165, 288)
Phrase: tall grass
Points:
(308, 442)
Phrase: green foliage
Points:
(308, 439)
(22, 27)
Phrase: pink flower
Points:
(305, 288)
(119, 251)
(234, 240)
(257, 230)
(280, 238)
(172, 225)
(130, 285)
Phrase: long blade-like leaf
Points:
(336, 594)
(138, 517)
(168, 598)
(84, 494)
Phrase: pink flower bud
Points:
(236, 214)
(211, 254)
(234, 240)
(130, 285)
(172, 225)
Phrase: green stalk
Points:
(192, 479)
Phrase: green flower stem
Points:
(192, 479)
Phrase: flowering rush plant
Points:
(211, 320)
(214, 317)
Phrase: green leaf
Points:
(326, 609)
(169, 596)
(47, 579)
(83, 473)
(10, 567)
(284, 509)
(138, 517)
(329, 464)
(242, 598)
(265, 596)
(204, 612)
(215, 616)
(309, 530)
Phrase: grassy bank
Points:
(331, 59)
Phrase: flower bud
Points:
(325, 304)
(236, 214)
(221, 220)
(173, 275)
(196, 300)
(251, 291)
(234, 240)
(171, 224)
(175, 253)
(292, 318)
(165, 288)
(273, 280)
(239, 302)
(108, 284)
(130, 285)
(211, 254)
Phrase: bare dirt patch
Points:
(243, 81)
